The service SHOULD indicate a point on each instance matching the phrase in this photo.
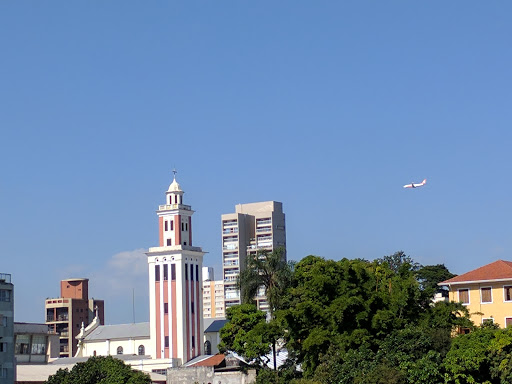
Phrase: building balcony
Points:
(263, 222)
(230, 247)
(5, 278)
(228, 231)
(169, 207)
(263, 229)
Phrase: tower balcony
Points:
(169, 207)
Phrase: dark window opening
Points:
(166, 224)
(173, 272)
(157, 273)
(172, 225)
(166, 272)
(193, 342)
(169, 242)
(166, 341)
(141, 350)
(197, 272)
(186, 271)
(191, 272)
(166, 308)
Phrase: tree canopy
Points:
(100, 369)
(353, 321)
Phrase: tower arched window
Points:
(119, 350)
(207, 347)
(141, 350)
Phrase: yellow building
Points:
(486, 292)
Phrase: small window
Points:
(169, 242)
(173, 272)
(186, 226)
(191, 272)
(486, 295)
(172, 225)
(166, 271)
(119, 350)
(464, 296)
(166, 308)
(166, 340)
(487, 321)
(192, 307)
(5, 295)
(175, 199)
(186, 271)
(508, 321)
(141, 350)
(3, 321)
(157, 273)
(166, 224)
(193, 342)
(507, 292)
(182, 226)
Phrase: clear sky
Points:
(328, 106)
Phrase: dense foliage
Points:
(100, 369)
(355, 321)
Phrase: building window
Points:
(172, 225)
(166, 308)
(173, 272)
(166, 224)
(169, 242)
(5, 295)
(192, 306)
(166, 271)
(487, 321)
(197, 272)
(507, 292)
(38, 345)
(3, 321)
(191, 272)
(21, 347)
(3, 347)
(157, 273)
(486, 295)
(186, 271)
(119, 350)
(141, 350)
(166, 341)
(464, 296)
(508, 321)
(193, 342)
(186, 226)
(3, 372)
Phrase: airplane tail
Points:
(424, 182)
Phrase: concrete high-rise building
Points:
(66, 314)
(252, 228)
(213, 295)
(7, 366)
(175, 278)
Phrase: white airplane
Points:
(412, 185)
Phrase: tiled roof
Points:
(210, 362)
(498, 270)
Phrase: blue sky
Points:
(329, 107)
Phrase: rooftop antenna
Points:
(174, 171)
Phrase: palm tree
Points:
(270, 271)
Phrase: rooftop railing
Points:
(167, 207)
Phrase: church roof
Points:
(119, 331)
(215, 325)
(498, 270)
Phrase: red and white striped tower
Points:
(175, 269)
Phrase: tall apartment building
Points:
(252, 228)
(66, 314)
(7, 366)
(213, 295)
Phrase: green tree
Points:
(100, 369)
(269, 270)
(246, 333)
